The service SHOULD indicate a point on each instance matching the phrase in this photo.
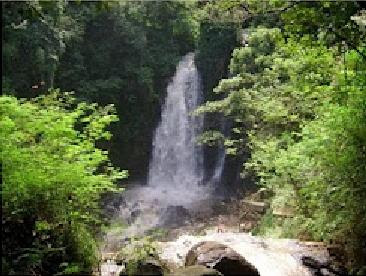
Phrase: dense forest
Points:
(83, 87)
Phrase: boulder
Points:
(247, 226)
(321, 268)
(261, 194)
(255, 206)
(147, 267)
(195, 270)
(220, 257)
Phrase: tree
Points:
(107, 52)
(53, 177)
(45, 28)
(299, 110)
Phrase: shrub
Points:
(53, 177)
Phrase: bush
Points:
(138, 251)
(53, 177)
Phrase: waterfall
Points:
(176, 168)
(174, 193)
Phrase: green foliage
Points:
(223, 11)
(127, 55)
(107, 52)
(300, 108)
(53, 177)
(327, 20)
(40, 36)
(137, 251)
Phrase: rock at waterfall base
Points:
(219, 257)
(147, 267)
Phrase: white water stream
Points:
(176, 168)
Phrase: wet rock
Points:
(151, 267)
(261, 194)
(247, 226)
(147, 267)
(250, 212)
(203, 249)
(195, 270)
(175, 216)
(220, 257)
(320, 268)
(326, 272)
(255, 206)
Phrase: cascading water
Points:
(176, 169)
